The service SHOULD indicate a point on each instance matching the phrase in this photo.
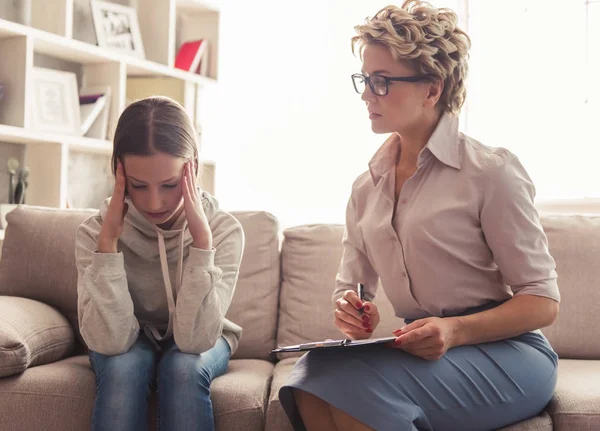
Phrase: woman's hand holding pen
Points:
(112, 225)
(355, 318)
(196, 218)
(428, 338)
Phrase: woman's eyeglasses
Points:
(380, 84)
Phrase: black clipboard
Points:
(327, 344)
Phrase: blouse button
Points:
(403, 274)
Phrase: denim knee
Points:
(183, 369)
(127, 370)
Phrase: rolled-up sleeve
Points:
(512, 229)
(355, 266)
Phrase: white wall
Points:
(528, 88)
(292, 134)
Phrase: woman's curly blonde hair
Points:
(426, 37)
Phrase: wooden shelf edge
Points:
(19, 135)
(198, 6)
(85, 53)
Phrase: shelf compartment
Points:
(13, 74)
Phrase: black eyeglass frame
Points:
(387, 80)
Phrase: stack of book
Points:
(193, 57)
(94, 105)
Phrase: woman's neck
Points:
(413, 141)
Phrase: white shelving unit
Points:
(164, 25)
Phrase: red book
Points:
(190, 54)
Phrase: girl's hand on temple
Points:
(428, 339)
(353, 322)
(196, 218)
(112, 225)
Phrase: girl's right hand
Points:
(350, 321)
(114, 219)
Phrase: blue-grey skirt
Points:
(479, 387)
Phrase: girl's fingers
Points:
(191, 182)
(119, 190)
(186, 189)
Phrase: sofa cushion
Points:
(40, 240)
(276, 418)
(254, 305)
(31, 333)
(541, 422)
(53, 397)
(576, 402)
(310, 256)
(278, 421)
(574, 242)
(240, 396)
(38, 257)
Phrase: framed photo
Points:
(83, 23)
(55, 98)
(117, 28)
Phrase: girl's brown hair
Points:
(153, 125)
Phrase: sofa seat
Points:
(60, 396)
(240, 395)
(576, 402)
(57, 396)
(277, 420)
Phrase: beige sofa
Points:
(283, 297)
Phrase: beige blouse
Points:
(465, 233)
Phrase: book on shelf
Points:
(193, 57)
(94, 106)
(89, 110)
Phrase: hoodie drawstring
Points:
(167, 282)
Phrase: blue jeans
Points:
(124, 382)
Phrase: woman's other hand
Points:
(428, 338)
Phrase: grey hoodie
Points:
(159, 282)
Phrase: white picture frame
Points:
(117, 28)
(55, 101)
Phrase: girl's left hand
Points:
(196, 217)
(428, 338)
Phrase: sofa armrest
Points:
(31, 333)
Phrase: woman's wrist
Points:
(457, 336)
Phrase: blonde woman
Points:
(448, 226)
